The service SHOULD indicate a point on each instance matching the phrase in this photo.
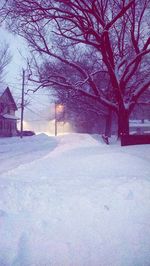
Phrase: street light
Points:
(59, 108)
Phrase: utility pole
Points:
(22, 103)
(55, 119)
(59, 109)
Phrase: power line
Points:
(37, 100)
(37, 120)
(19, 84)
(34, 93)
(22, 102)
(38, 114)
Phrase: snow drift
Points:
(72, 201)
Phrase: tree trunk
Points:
(108, 123)
(123, 122)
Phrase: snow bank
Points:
(79, 203)
(15, 151)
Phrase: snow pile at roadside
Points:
(78, 203)
(15, 151)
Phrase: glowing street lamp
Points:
(59, 108)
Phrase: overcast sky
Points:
(17, 47)
(39, 110)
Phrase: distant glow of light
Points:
(26, 125)
(59, 108)
(62, 128)
(47, 127)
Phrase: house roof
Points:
(8, 116)
(7, 90)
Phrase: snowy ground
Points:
(74, 201)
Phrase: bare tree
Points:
(116, 30)
(5, 55)
(66, 81)
(5, 58)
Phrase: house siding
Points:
(8, 126)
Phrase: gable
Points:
(7, 98)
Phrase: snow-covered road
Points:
(74, 201)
